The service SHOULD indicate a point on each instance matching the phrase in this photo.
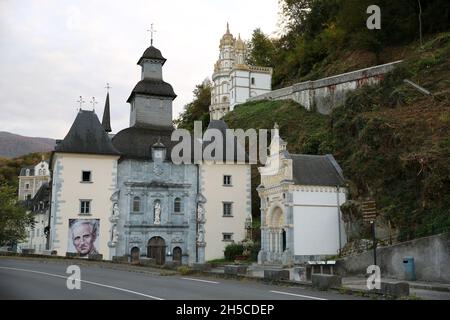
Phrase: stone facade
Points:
(300, 199)
(149, 182)
(325, 94)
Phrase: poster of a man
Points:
(83, 236)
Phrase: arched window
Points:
(136, 204)
(40, 172)
(177, 205)
(27, 172)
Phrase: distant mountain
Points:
(14, 145)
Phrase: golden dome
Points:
(240, 45)
(227, 38)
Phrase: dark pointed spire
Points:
(106, 122)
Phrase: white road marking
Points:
(85, 281)
(200, 280)
(298, 295)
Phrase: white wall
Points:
(211, 180)
(67, 192)
(316, 221)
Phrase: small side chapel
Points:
(300, 206)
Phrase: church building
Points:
(300, 206)
(127, 196)
(234, 81)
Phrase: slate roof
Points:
(316, 170)
(135, 142)
(23, 171)
(106, 121)
(153, 54)
(43, 194)
(87, 136)
(153, 87)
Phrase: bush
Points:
(185, 270)
(233, 250)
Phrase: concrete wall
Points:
(325, 94)
(431, 257)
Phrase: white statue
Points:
(115, 234)
(157, 213)
(116, 212)
(201, 213)
(201, 236)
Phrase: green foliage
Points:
(390, 140)
(10, 168)
(13, 217)
(232, 250)
(320, 33)
(254, 250)
(197, 110)
(184, 270)
(261, 50)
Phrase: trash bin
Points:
(410, 270)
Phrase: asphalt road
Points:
(47, 279)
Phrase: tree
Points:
(13, 216)
(261, 50)
(198, 109)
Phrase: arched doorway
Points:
(277, 236)
(157, 250)
(177, 252)
(135, 255)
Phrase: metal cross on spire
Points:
(81, 101)
(107, 87)
(93, 102)
(151, 30)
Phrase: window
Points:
(253, 80)
(40, 172)
(227, 209)
(27, 172)
(27, 186)
(136, 204)
(85, 206)
(226, 180)
(177, 205)
(227, 237)
(86, 176)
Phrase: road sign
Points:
(369, 210)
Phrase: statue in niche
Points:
(116, 211)
(157, 210)
(201, 236)
(115, 234)
(201, 213)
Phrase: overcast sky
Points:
(53, 51)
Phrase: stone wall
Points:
(431, 258)
(325, 94)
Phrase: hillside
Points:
(10, 168)
(392, 142)
(13, 145)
